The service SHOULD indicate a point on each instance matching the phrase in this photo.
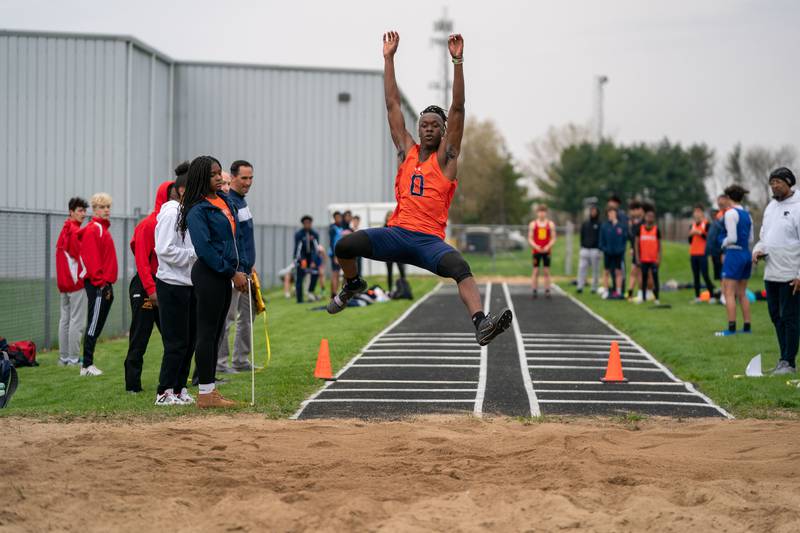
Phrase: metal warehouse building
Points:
(81, 114)
(84, 113)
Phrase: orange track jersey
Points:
(423, 195)
(648, 244)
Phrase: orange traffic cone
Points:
(614, 368)
(323, 370)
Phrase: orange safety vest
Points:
(648, 244)
(698, 242)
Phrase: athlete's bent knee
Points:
(354, 245)
(452, 265)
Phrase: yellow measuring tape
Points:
(261, 307)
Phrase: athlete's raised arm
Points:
(448, 152)
(397, 125)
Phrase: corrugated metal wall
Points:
(308, 148)
(82, 113)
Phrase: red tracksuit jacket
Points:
(70, 270)
(143, 243)
(98, 252)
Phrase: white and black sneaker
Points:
(185, 398)
(91, 370)
(350, 289)
(491, 326)
(167, 398)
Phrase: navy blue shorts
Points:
(400, 245)
(737, 265)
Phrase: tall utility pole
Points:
(600, 81)
(442, 29)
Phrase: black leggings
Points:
(451, 265)
(178, 309)
(213, 293)
(401, 268)
(646, 269)
(700, 266)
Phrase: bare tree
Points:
(546, 151)
(750, 167)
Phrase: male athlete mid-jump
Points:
(424, 188)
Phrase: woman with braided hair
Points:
(424, 187)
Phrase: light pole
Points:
(442, 29)
(600, 81)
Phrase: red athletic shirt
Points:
(423, 195)
(542, 235)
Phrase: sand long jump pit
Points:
(443, 473)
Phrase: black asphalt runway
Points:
(549, 363)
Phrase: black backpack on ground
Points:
(402, 290)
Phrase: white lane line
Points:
(563, 367)
(387, 400)
(428, 381)
(414, 350)
(421, 357)
(572, 336)
(464, 344)
(666, 370)
(481, 394)
(634, 383)
(631, 402)
(592, 359)
(610, 391)
(523, 364)
(417, 366)
(336, 389)
(346, 367)
(432, 335)
(590, 352)
(576, 344)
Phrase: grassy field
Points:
(295, 332)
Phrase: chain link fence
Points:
(29, 297)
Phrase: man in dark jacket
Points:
(613, 238)
(239, 311)
(306, 252)
(590, 249)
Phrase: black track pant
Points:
(700, 266)
(213, 293)
(143, 315)
(400, 268)
(784, 310)
(716, 261)
(98, 305)
(178, 310)
(646, 269)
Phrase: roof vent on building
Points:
(344, 98)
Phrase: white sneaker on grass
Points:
(167, 398)
(185, 398)
(91, 370)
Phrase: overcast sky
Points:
(714, 71)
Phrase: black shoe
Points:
(492, 326)
(339, 302)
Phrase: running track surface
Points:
(549, 363)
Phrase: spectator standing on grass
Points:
(779, 247)
(100, 258)
(211, 220)
(70, 272)
(648, 244)
(334, 234)
(613, 238)
(698, 235)
(176, 300)
(714, 241)
(541, 237)
(737, 263)
(615, 202)
(241, 302)
(142, 291)
(589, 255)
(636, 211)
(306, 253)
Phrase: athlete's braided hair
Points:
(197, 187)
(436, 110)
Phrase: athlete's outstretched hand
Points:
(390, 41)
(455, 43)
